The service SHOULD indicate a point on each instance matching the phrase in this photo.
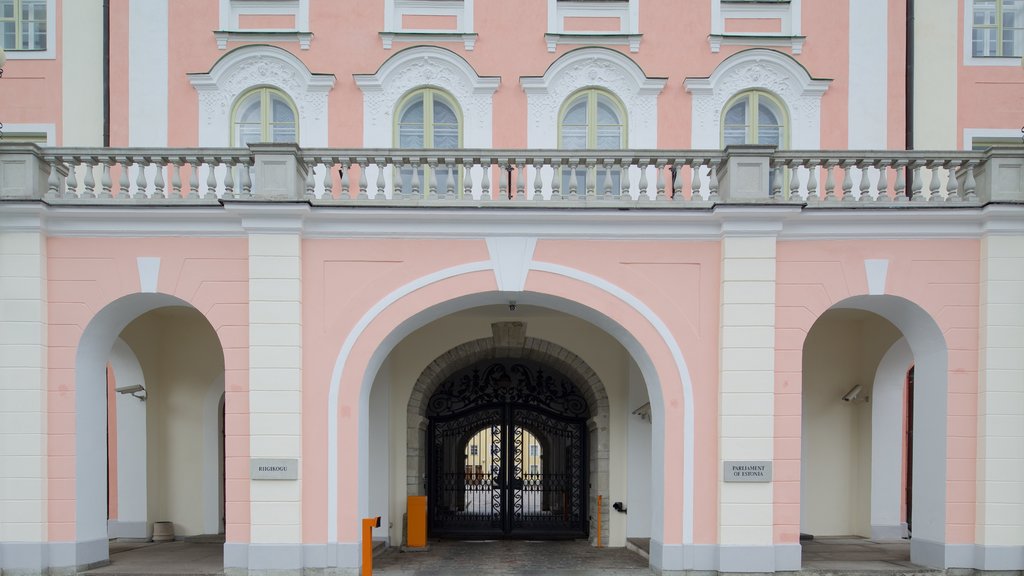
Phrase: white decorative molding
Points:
(252, 66)
(1004, 134)
(14, 129)
(592, 67)
(763, 69)
(395, 30)
(50, 53)
(788, 13)
(511, 258)
(627, 12)
(149, 273)
(230, 10)
(424, 66)
(876, 272)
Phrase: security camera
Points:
(853, 393)
(511, 305)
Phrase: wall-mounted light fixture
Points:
(136, 391)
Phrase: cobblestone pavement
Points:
(511, 557)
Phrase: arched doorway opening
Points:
(507, 409)
(149, 387)
(855, 362)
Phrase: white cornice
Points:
(652, 221)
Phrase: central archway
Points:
(509, 346)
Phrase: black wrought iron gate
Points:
(507, 454)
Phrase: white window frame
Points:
(627, 12)
(395, 10)
(787, 11)
(969, 58)
(1010, 134)
(51, 39)
(12, 129)
(230, 10)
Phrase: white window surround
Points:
(626, 11)
(787, 11)
(972, 134)
(252, 66)
(229, 30)
(395, 10)
(11, 130)
(421, 67)
(758, 68)
(51, 39)
(969, 58)
(598, 68)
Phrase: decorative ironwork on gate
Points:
(507, 453)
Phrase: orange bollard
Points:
(598, 521)
(368, 525)
(417, 518)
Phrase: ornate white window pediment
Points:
(254, 66)
(264, 21)
(758, 69)
(421, 67)
(592, 68)
(428, 21)
(756, 23)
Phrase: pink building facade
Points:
(271, 267)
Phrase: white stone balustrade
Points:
(638, 178)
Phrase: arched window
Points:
(592, 119)
(264, 115)
(428, 118)
(755, 117)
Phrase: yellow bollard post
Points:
(599, 521)
(368, 525)
(417, 518)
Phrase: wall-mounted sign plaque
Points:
(274, 469)
(747, 471)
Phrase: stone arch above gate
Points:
(509, 340)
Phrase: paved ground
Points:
(849, 555)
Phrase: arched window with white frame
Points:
(755, 117)
(592, 118)
(263, 114)
(428, 118)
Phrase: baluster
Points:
(775, 192)
(449, 189)
(556, 179)
(677, 180)
(917, 184)
(211, 177)
(504, 169)
(141, 183)
(933, 184)
(53, 181)
(415, 185)
(229, 179)
(538, 195)
(642, 185)
(659, 183)
(812, 182)
(520, 180)
(310, 180)
(246, 178)
(467, 178)
(713, 184)
(883, 183)
(380, 193)
(695, 184)
(105, 183)
(624, 193)
(864, 184)
(175, 168)
(847, 169)
(969, 184)
(830, 182)
(343, 168)
(606, 187)
(72, 181)
(123, 183)
(432, 179)
(952, 185)
(90, 180)
(794, 181)
(485, 180)
(901, 182)
(363, 163)
(193, 177)
(573, 184)
(329, 163)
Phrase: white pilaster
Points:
(81, 71)
(147, 72)
(1000, 496)
(23, 427)
(869, 73)
(275, 374)
(746, 394)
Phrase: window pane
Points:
(282, 133)
(446, 136)
(246, 134)
(577, 113)
(735, 135)
(413, 113)
(6, 8)
(766, 113)
(410, 136)
(609, 137)
(769, 134)
(282, 111)
(606, 113)
(574, 137)
(443, 114)
(737, 114)
(7, 30)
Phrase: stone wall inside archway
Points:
(509, 340)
